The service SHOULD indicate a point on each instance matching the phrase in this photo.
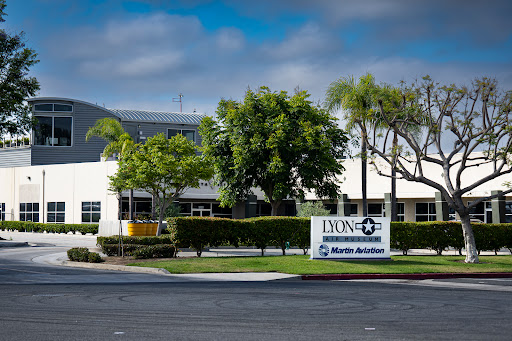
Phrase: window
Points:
(400, 211)
(223, 212)
(91, 211)
(333, 208)
(353, 210)
(482, 211)
(53, 131)
(264, 209)
(29, 211)
(53, 107)
(56, 212)
(508, 211)
(376, 210)
(189, 134)
(2, 211)
(425, 211)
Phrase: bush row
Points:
(439, 235)
(200, 232)
(141, 251)
(82, 254)
(28, 226)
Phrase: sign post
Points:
(350, 238)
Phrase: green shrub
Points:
(95, 257)
(139, 240)
(78, 254)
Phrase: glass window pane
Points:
(63, 107)
(22, 207)
(375, 209)
(86, 206)
(28, 217)
(172, 132)
(51, 217)
(185, 208)
(61, 206)
(22, 216)
(43, 107)
(62, 131)
(353, 209)
(96, 217)
(189, 134)
(142, 206)
(400, 208)
(35, 207)
(29, 207)
(421, 208)
(51, 207)
(86, 217)
(43, 131)
(432, 208)
(422, 218)
(35, 217)
(60, 217)
(96, 206)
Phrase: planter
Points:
(142, 229)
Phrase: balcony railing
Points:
(24, 142)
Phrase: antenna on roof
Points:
(178, 99)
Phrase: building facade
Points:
(59, 177)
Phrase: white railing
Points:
(20, 142)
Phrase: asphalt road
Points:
(40, 302)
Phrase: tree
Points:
(312, 208)
(164, 168)
(463, 128)
(357, 101)
(15, 84)
(111, 130)
(281, 144)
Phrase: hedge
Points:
(261, 232)
(28, 226)
(82, 254)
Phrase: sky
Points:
(142, 54)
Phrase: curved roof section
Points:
(157, 116)
(135, 115)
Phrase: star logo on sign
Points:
(368, 226)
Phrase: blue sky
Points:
(141, 54)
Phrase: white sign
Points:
(350, 238)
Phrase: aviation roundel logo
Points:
(323, 250)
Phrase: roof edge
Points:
(72, 100)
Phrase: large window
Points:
(376, 210)
(482, 212)
(508, 211)
(189, 134)
(53, 131)
(56, 212)
(29, 211)
(2, 211)
(53, 107)
(425, 211)
(91, 211)
(400, 211)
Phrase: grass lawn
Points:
(302, 265)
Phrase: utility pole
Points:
(178, 99)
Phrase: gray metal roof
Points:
(156, 116)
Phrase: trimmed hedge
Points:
(28, 226)
(82, 254)
(200, 232)
(139, 246)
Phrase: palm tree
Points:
(119, 143)
(358, 104)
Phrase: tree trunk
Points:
(469, 239)
(394, 214)
(363, 177)
(163, 205)
(275, 205)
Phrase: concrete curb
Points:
(407, 276)
(99, 266)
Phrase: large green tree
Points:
(462, 128)
(15, 84)
(164, 168)
(282, 144)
